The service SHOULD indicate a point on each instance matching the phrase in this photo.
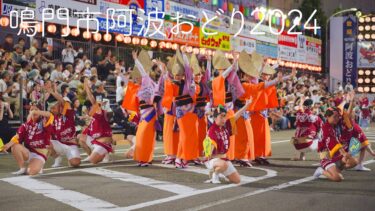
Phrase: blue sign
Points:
(151, 5)
(350, 51)
(136, 28)
(266, 49)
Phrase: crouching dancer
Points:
(217, 144)
(99, 132)
(333, 157)
(64, 132)
(35, 135)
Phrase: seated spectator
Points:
(8, 44)
(56, 74)
(17, 56)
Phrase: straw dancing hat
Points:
(219, 61)
(246, 64)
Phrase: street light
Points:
(327, 27)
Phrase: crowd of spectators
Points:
(26, 71)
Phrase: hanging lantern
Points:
(120, 38)
(195, 51)
(175, 46)
(202, 51)
(247, 12)
(65, 31)
(127, 40)
(168, 45)
(153, 44)
(52, 28)
(144, 41)
(274, 20)
(4, 21)
(279, 20)
(230, 6)
(135, 41)
(97, 36)
(261, 15)
(225, 6)
(242, 9)
(209, 52)
(75, 32)
(287, 23)
(162, 44)
(219, 3)
(189, 49)
(107, 37)
(86, 34)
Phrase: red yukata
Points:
(36, 136)
(99, 127)
(329, 146)
(64, 128)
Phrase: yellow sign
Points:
(1, 144)
(219, 41)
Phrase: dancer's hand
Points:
(294, 72)
(135, 54)
(280, 76)
(249, 101)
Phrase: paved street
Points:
(120, 185)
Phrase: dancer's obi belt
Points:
(201, 102)
(240, 104)
(324, 155)
(145, 114)
(42, 152)
(301, 143)
(228, 97)
(301, 140)
(183, 100)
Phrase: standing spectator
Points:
(109, 67)
(6, 113)
(98, 59)
(348, 87)
(339, 87)
(315, 97)
(121, 63)
(100, 63)
(6, 91)
(68, 54)
(120, 93)
(44, 47)
(48, 55)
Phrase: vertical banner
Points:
(350, 51)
